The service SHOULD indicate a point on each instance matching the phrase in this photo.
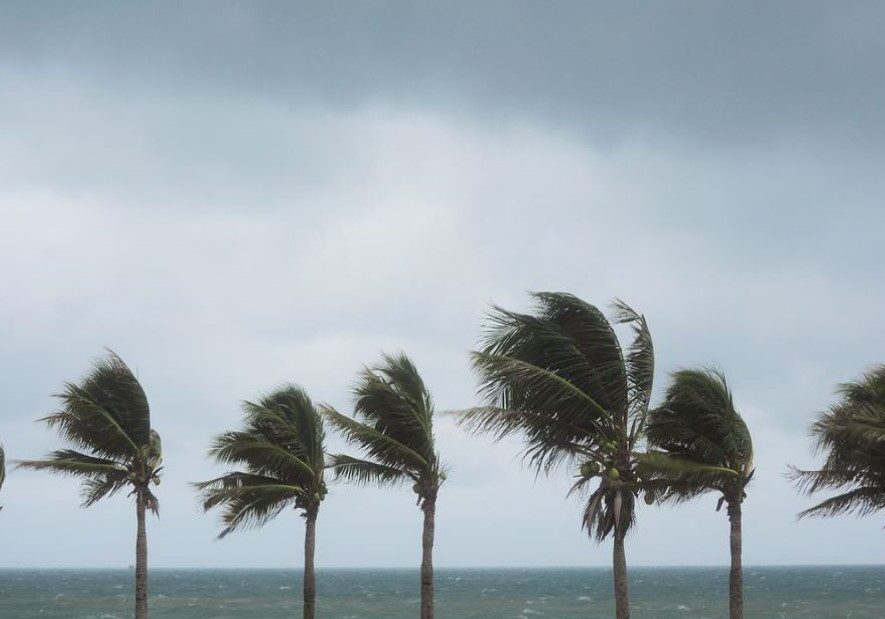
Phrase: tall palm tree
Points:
(393, 426)
(559, 377)
(851, 436)
(697, 423)
(280, 452)
(107, 415)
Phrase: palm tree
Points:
(851, 435)
(107, 415)
(559, 377)
(697, 424)
(281, 453)
(393, 425)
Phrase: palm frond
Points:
(381, 447)
(547, 444)
(96, 488)
(281, 449)
(71, 462)
(260, 455)
(365, 472)
(859, 501)
(609, 509)
(851, 437)
(107, 412)
(595, 338)
(559, 377)
(640, 363)
(676, 479)
(107, 415)
(288, 417)
(101, 477)
(697, 421)
(391, 397)
(550, 362)
(811, 481)
(247, 500)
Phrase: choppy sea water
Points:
(818, 592)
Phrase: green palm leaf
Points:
(705, 442)
(558, 377)
(392, 426)
(851, 438)
(107, 417)
(859, 501)
(280, 451)
(379, 445)
(249, 500)
(365, 472)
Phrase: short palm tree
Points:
(851, 436)
(697, 423)
(559, 377)
(393, 426)
(107, 415)
(280, 452)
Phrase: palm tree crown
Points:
(281, 455)
(698, 426)
(559, 376)
(850, 435)
(393, 425)
(107, 415)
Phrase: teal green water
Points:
(819, 592)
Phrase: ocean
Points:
(808, 592)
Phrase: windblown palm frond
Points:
(107, 416)
(280, 449)
(707, 441)
(366, 472)
(851, 437)
(559, 377)
(393, 427)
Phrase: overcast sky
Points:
(233, 195)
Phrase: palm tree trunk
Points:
(429, 507)
(619, 567)
(141, 605)
(736, 575)
(310, 579)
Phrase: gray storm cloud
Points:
(235, 195)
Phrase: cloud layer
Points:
(239, 196)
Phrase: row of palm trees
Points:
(557, 376)
(281, 459)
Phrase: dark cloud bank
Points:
(236, 194)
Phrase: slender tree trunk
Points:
(619, 567)
(141, 604)
(310, 580)
(429, 507)
(736, 575)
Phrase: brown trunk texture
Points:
(736, 575)
(429, 508)
(310, 580)
(619, 567)
(141, 604)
